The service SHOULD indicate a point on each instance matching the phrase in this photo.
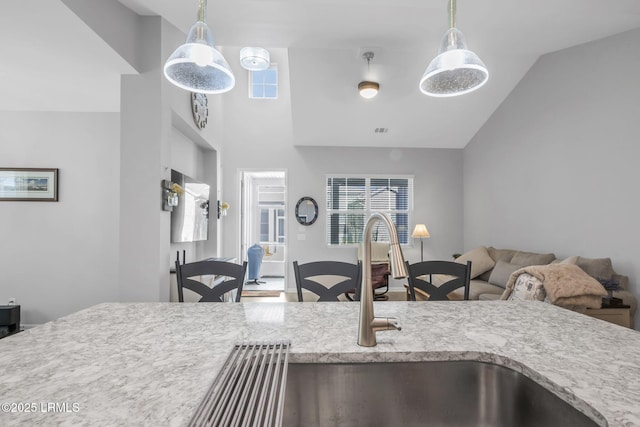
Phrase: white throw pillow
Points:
(527, 288)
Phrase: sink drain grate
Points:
(249, 390)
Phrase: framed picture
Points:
(29, 184)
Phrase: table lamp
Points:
(421, 232)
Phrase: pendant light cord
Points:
(202, 12)
(452, 13)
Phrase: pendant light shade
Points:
(368, 89)
(197, 66)
(456, 70)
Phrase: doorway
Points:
(263, 228)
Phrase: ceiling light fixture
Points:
(366, 88)
(197, 66)
(456, 70)
(254, 58)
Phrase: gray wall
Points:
(437, 194)
(258, 136)
(60, 257)
(107, 239)
(555, 168)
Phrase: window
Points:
(351, 200)
(272, 217)
(264, 84)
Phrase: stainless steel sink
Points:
(451, 393)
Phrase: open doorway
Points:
(263, 228)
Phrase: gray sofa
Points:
(491, 269)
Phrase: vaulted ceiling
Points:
(62, 65)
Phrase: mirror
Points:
(306, 211)
(190, 217)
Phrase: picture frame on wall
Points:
(29, 184)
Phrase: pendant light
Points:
(366, 88)
(456, 70)
(197, 66)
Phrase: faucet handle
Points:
(385, 324)
(393, 322)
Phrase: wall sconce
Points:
(170, 193)
(222, 209)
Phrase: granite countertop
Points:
(151, 363)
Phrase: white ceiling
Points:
(325, 39)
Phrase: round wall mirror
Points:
(306, 211)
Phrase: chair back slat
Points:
(232, 273)
(306, 273)
(461, 278)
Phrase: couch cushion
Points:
(501, 273)
(622, 280)
(501, 254)
(489, 297)
(532, 258)
(568, 260)
(476, 288)
(600, 268)
(480, 260)
(486, 275)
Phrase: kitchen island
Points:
(151, 363)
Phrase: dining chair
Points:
(327, 279)
(224, 277)
(453, 276)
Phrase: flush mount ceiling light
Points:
(197, 66)
(456, 70)
(368, 89)
(254, 58)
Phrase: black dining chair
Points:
(456, 276)
(226, 277)
(315, 277)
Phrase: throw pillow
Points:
(501, 273)
(497, 255)
(527, 288)
(480, 261)
(532, 258)
(599, 268)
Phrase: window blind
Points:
(351, 200)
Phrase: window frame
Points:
(367, 211)
(272, 66)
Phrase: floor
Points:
(271, 289)
(266, 284)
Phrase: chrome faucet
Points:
(369, 324)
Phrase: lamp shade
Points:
(254, 58)
(420, 231)
(368, 89)
(197, 66)
(455, 71)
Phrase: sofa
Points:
(491, 269)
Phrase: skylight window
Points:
(264, 84)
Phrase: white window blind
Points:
(352, 199)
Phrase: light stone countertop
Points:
(151, 363)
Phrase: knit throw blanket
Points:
(566, 285)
